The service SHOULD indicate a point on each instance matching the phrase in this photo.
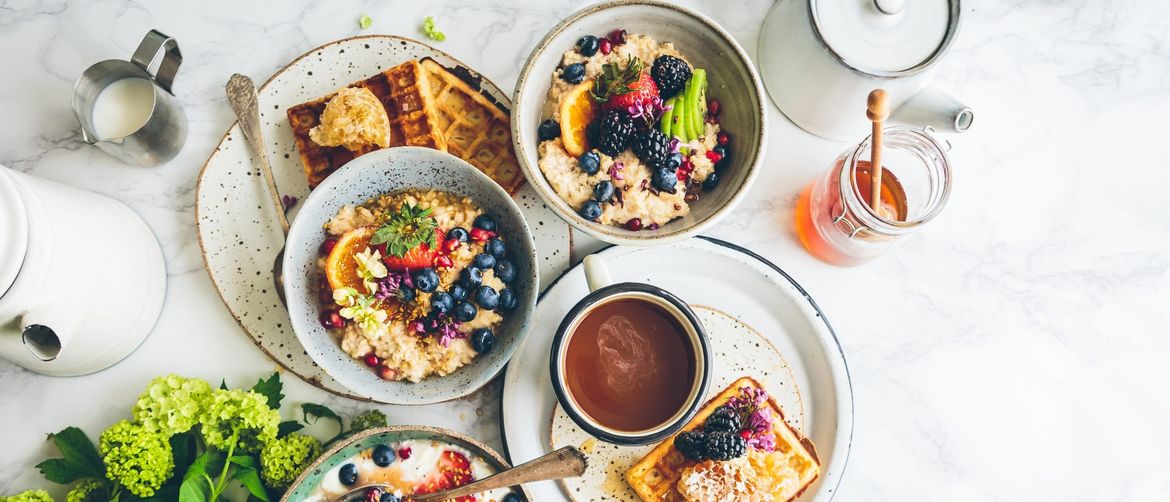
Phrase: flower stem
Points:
(219, 485)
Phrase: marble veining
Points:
(1014, 350)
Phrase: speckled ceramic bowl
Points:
(392, 170)
(342, 451)
(732, 80)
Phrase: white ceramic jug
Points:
(819, 59)
(82, 278)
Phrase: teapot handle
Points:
(153, 44)
(933, 107)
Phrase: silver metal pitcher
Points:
(162, 136)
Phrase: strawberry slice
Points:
(640, 92)
(422, 256)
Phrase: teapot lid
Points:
(886, 38)
(13, 230)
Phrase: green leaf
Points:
(288, 427)
(184, 448)
(81, 458)
(406, 230)
(195, 487)
(223, 384)
(249, 477)
(271, 389)
(59, 470)
(314, 411)
(365, 21)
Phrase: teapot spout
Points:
(932, 107)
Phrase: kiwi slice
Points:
(700, 115)
(695, 102)
(678, 126)
(665, 124)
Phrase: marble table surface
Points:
(1016, 349)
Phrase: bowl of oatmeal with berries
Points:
(639, 122)
(410, 276)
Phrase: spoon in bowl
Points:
(241, 93)
(566, 462)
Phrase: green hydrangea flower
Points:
(282, 460)
(172, 404)
(138, 458)
(368, 420)
(29, 496)
(90, 490)
(239, 415)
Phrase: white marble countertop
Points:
(1014, 350)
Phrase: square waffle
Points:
(475, 128)
(403, 90)
(655, 477)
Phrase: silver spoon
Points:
(566, 462)
(241, 93)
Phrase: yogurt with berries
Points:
(630, 137)
(411, 467)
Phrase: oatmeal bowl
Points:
(639, 122)
(410, 276)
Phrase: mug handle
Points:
(596, 273)
(148, 51)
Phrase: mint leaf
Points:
(288, 427)
(316, 411)
(270, 389)
(81, 458)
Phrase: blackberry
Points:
(671, 74)
(722, 445)
(723, 419)
(692, 444)
(652, 147)
(613, 132)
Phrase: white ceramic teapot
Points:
(82, 278)
(819, 59)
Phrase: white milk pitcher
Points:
(82, 278)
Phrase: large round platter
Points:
(237, 229)
(721, 276)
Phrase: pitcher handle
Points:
(154, 44)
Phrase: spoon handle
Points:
(241, 93)
(563, 463)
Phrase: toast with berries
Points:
(775, 462)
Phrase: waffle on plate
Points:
(782, 475)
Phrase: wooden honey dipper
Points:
(877, 108)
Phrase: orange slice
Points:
(341, 269)
(576, 113)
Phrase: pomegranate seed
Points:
(481, 235)
(653, 226)
(372, 360)
(713, 108)
(387, 373)
(332, 320)
(617, 37)
(404, 453)
(723, 138)
(605, 46)
(373, 495)
(327, 246)
(449, 246)
(443, 262)
(682, 174)
(745, 434)
(634, 224)
(714, 157)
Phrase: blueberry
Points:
(508, 300)
(573, 73)
(603, 191)
(383, 455)
(511, 497)
(588, 45)
(724, 153)
(484, 222)
(482, 340)
(487, 298)
(426, 280)
(506, 271)
(495, 247)
(549, 129)
(483, 261)
(458, 292)
(664, 180)
(406, 293)
(459, 234)
(711, 182)
(390, 497)
(442, 302)
(348, 474)
(589, 162)
(464, 312)
(590, 210)
(674, 160)
(470, 278)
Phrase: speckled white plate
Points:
(739, 350)
(237, 230)
(723, 276)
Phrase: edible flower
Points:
(346, 297)
(758, 419)
(448, 329)
(365, 21)
(365, 313)
(615, 171)
(370, 268)
(430, 31)
(649, 109)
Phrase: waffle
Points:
(475, 128)
(403, 90)
(655, 477)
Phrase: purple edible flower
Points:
(447, 331)
(390, 285)
(288, 202)
(648, 110)
(762, 442)
(673, 144)
(615, 171)
(417, 327)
